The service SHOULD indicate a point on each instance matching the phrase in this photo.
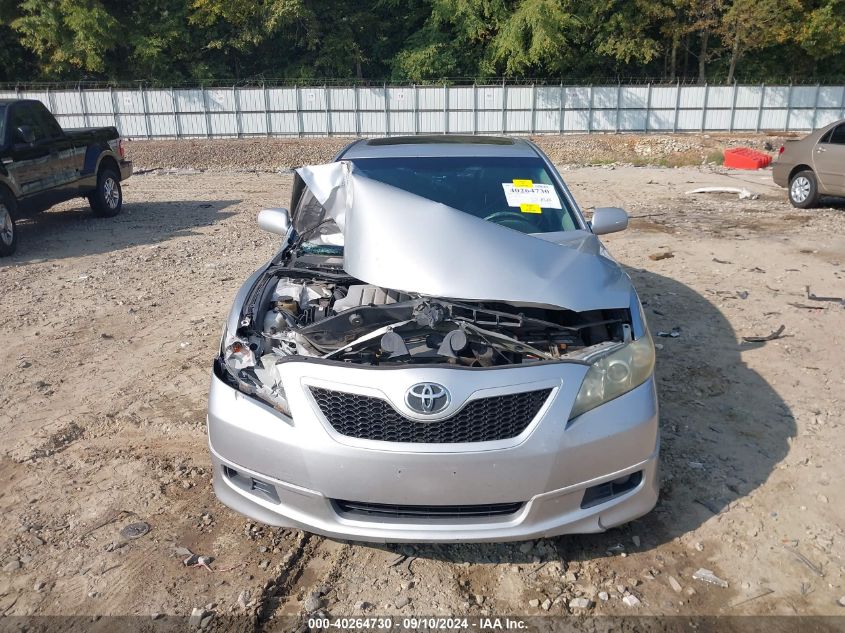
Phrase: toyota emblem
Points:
(427, 398)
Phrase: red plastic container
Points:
(746, 158)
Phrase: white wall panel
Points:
(380, 110)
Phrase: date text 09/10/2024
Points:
(413, 623)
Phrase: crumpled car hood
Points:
(398, 240)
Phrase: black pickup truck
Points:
(41, 165)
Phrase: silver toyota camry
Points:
(440, 350)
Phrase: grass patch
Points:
(716, 157)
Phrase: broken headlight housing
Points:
(614, 373)
(256, 377)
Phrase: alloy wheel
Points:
(7, 229)
(111, 193)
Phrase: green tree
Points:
(68, 36)
(480, 38)
(419, 40)
(534, 38)
(453, 41)
(160, 46)
(628, 31)
(822, 31)
(749, 25)
(14, 60)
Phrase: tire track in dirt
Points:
(289, 571)
(310, 569)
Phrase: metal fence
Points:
(296, 111)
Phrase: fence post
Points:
(298, 111)
(445, 109)
(677, 105)
(533, 107)
(18, 91)
(474, 108)
(51, 102)
(618, 103)
(842, 104)
(590, 112)
(326, 100)
(762, 104)
(704, 107)
(145, 105)
(648, 107)
(113, 106)
(355, 104)
(176, 123)
(206, 112)
(416, 110)
(236, 101)
(788, 106)
(733, 107)
(85, 120)
(816, 106)
(504, 103)
(386, 112)
(268, 119)
(561, 108)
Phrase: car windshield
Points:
(516, 192)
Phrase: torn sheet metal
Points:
(398, 240)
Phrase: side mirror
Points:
(25, 134)
(274, 221)
(609, 220)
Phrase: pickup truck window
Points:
(48, 122)
(24, 114)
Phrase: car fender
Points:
(9, 184)
(94, 157)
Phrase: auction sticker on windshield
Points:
(526, 192)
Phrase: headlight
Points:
(615, 373)
(257, 378)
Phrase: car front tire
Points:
(804, 190)
(8, 231)
(107, 199)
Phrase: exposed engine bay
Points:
(371, 325)
(308, 307)
(357, 286)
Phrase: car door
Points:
(829, 161)
(62, 170)
(27, 163)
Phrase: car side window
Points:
(837, 136)
(48, 122)
(23, 114)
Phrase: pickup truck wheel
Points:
(107, 199)
(804, 190)
(8, 234)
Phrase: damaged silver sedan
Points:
(440, 351)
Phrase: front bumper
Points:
(302, 465)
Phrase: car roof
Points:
(438, 145)
(8, 102)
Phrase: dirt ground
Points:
(258, 154)
(110, 326)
